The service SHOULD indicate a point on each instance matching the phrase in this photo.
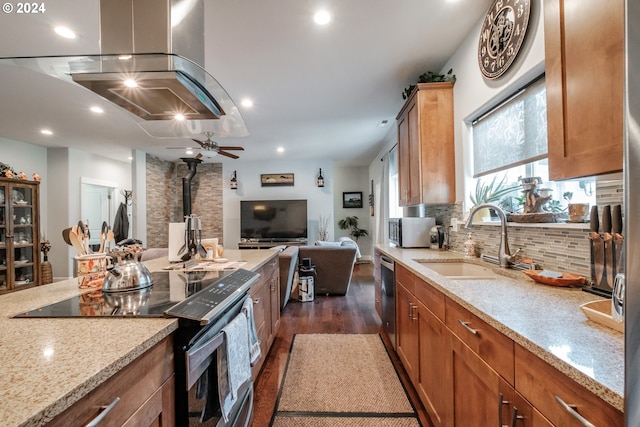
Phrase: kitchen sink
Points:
(459, 270)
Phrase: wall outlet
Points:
(455, 225)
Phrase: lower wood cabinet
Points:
(546, 387)
(266, 308)
(145, 389)
(469, 374)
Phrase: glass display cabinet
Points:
(19, 234)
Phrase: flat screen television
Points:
(273, 220)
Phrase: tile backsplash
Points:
(553, 246)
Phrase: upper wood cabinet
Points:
(426, 159)
(584, 61)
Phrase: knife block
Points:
(604, 264)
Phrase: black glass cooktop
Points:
(168, 289)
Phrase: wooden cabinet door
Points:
(407, 344)
(481, 397)
(274, 304)
(403, 160)
(434, 367)
(158, 410)
(377, 278)
(584, 60)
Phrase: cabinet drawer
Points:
(430, 297)
(405, 277)
(540, 383)
(491, 345)
(134, 385)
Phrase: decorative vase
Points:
(46, 272)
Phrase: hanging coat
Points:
(121, 224)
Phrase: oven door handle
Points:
(198, 356)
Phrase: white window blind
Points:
(514, 133)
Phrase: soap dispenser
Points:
(470, 247)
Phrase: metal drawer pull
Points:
(467, 327)
(101, 416)
(572, 410)
(410, 311)
(515, 417)
(501, 402)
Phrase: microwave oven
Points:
(410, 232)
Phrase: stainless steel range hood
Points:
(159, 44)
(161, 91)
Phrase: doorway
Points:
(97, 206)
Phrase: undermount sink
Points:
(459, 270)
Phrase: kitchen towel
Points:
(233, 363)
(254, 343)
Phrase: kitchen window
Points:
(511, 140)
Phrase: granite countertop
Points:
(546, 320)
(49, 364)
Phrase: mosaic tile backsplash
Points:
(553, 247)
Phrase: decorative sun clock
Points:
(503, 31)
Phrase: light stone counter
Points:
(46, 365)
(546, 320)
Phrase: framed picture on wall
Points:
(276, 179)
(352, 199)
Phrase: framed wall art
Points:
(276, 179)
(352, 199)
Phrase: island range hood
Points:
(136, 74)
(150, 64)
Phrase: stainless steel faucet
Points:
(504, 255)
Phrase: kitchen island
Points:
(539, 320)
(49, 364)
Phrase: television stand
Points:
(268, 245)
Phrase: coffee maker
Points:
(436, 238)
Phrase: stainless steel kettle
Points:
(127, 274)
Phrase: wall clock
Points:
(503, 31)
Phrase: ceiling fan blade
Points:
(224, 153)
(230, 148)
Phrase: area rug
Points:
(341, 379)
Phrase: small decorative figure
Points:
(36, 177)
(22, 176)
(534, 202)
(8, 173)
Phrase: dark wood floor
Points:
(351, 314)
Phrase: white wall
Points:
(353, 179)
(319, 200)
(474, 94)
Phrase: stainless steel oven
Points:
(387, 269)
(197, 395)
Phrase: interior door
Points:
(96, 208)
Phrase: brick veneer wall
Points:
(164, 198)
(560, 249)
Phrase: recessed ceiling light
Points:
(130, 83)
(65, 32)
(97, 109)
(46, 132)
(124, 57)
(383, 123)
(188, 151)
(179, 117)
(130, 157)
(246, 102)
(322, 17)
(280, 149)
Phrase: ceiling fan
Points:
(212, 146)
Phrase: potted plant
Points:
(351, 223)
(491, 192)
(430, 77)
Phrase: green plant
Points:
(351, 223)
(554, 206)
(491, 192)
(430, 77)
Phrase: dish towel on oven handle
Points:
(254, 343)
(233, 363)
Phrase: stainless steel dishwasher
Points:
(387, 270)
